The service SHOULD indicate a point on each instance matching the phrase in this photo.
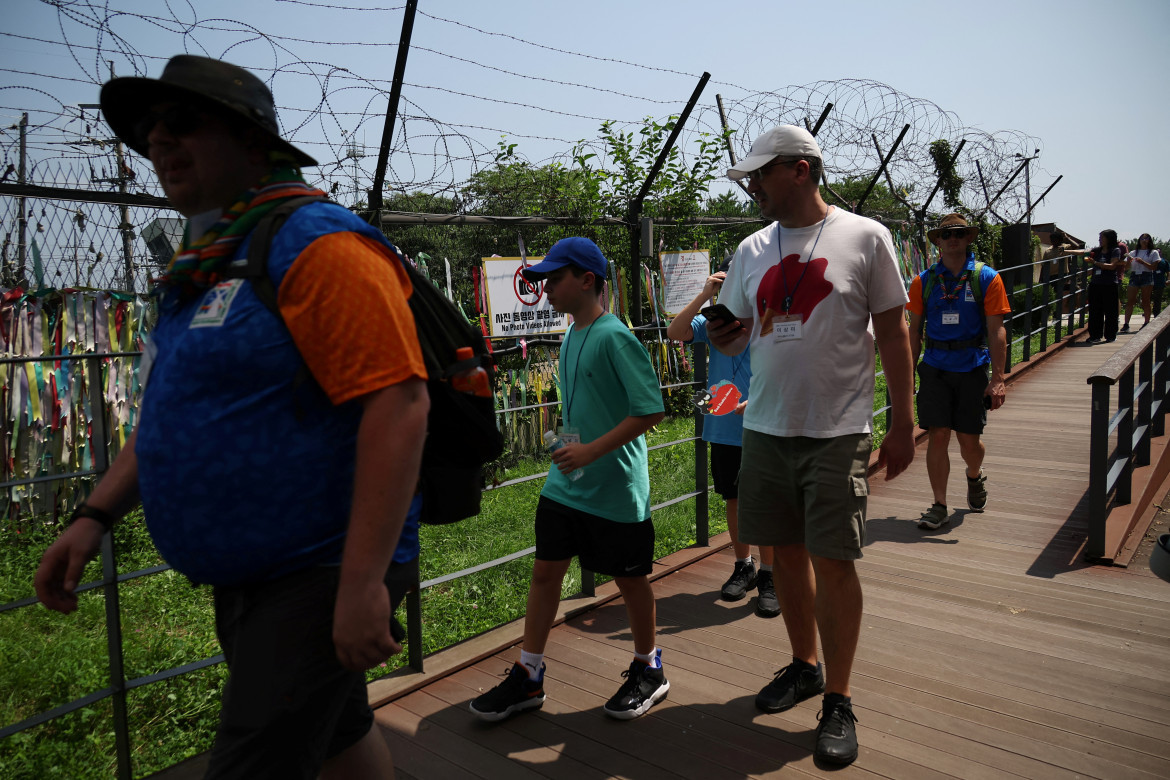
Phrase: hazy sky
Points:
(1087, 79)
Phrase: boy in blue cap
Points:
(610, 399)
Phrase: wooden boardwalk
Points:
(988, 649)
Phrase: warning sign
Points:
(516, 306)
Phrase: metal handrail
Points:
(1141, 372)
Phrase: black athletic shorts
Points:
(952, 399)
(603, 546)
(288, 703)
(725, 459)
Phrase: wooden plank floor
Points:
(988, 648)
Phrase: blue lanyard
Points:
(788, 296)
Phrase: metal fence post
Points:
(702, 505)
(1158, 421)
(1009, 320)
(1028, 301)
(99, 451)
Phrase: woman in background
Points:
(1142, 263)
(1107, 261)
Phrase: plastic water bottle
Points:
(474, 380)
(552, 443)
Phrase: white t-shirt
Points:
(820, 384)
(1151, 256)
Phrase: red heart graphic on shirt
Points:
(724, 398)
(806, 292)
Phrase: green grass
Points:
(51, 659)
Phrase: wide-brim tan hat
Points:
(201, 80)
(951, 221)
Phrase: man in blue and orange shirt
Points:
(956, 308)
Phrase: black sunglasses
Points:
(180, 119)
(953, 233)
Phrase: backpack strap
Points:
(255, 266)
(976, 282)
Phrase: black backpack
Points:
(461, 428)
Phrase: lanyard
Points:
(788, 296)
(577, 365)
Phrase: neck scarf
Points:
(198, 265)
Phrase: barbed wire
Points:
(446, 132)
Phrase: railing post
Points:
(1045, 303)
(1061, 286)
(1028, 302)
(588, 583)
(702, 505)
(1098, 470)
(1125, 436)
(1161, 363)
(1145, 381)
(1084, 288)
(414, 640)
(1009, 321)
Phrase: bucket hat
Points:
(951, 221)
(186, 78)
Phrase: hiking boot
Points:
(836, 732)
(515, 694)
(791, 685)
(767, 605)
(742, 580)
(977, 492)
(934, 517)
(644, 687)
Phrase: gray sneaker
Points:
(977, 492)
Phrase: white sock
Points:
(651, 659)
(533, 663)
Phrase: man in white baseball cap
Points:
(805, 291)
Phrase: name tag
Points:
(216, 304)
(950, 318)
(786, 328)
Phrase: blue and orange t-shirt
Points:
(951, 295)
(245, 469)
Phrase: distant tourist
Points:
(956, 325)
(1143, 273)
(1108, 261)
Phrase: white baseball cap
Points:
(782, 141)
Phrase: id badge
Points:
(569, 434)
(950, 318)
(786, 328)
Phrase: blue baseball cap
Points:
(577, 251)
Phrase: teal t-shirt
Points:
(606, 377)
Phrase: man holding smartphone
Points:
(956, 308)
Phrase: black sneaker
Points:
(792, 685)
(742, 580)
(515, 694)
(767, 605)
(836, 732)
(644, 687)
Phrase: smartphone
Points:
(717, 311)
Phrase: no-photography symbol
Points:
(528, 293)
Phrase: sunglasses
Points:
(179, 120)
(758, 173)
(952, 233)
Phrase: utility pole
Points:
(1028, 194)
(126, 228)
(21, 215)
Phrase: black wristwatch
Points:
(101, 515)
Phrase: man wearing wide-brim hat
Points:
(287, 496)
(956, 312)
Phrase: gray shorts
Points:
(800, 490)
